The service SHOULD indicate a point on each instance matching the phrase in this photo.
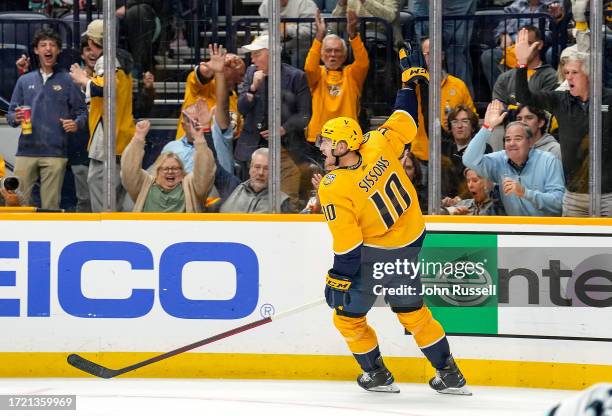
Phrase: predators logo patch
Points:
(57, 87)
(329, 178)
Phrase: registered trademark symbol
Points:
(266, 310)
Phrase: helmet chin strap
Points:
(338, 156)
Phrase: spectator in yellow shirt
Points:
(201, 84)
(335, 88)
(453, 92)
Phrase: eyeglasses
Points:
(333, 50)
(169, 170)
(465, 122)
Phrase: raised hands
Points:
(495, 114)
(217, 57)
(142, 128)
(78, 75)
(351, 23)
(233, 62)
(523, 49)
(23, 64)
(320, 26)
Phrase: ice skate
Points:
(379, 379)
(449, 380)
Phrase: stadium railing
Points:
(482, 38)
(17, 31)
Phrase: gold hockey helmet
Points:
(342, 129)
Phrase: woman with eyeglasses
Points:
(462, 125)
(169, 188)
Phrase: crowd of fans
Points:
(529, 155)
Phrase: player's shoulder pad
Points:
(373, 135)
(366, 137)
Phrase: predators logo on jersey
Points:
(374, 203)
(329, 178)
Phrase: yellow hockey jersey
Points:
(374, 203)
(125, 125)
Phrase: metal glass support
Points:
(435, 81)
(595, 124)
(274, 105)
(109, 52)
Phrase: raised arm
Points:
(217, 64)
(474, 156)
(204, 167)
(313, 60)
(359, 67)
(543, 99)
(132, 174)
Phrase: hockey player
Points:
(372, 210)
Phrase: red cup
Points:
(26, 121)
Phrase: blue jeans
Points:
(456, 38)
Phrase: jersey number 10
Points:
(394, 195)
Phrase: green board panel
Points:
(460, 272)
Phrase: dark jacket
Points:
(455, 183)
(573, 118)
(296, 108)
(544, 79)
(57, 98)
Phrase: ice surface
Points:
(206, 397)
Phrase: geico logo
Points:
(73, 301)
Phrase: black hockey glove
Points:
(336, 290)
(411, 74)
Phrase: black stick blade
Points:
(90, 367)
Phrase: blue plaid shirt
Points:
(511, 26)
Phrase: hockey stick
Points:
(98, 370)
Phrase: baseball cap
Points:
(260, 42)
(95, 31)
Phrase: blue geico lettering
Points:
(141, 300)
(175, 257)
(73, 258)
(9, 250)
